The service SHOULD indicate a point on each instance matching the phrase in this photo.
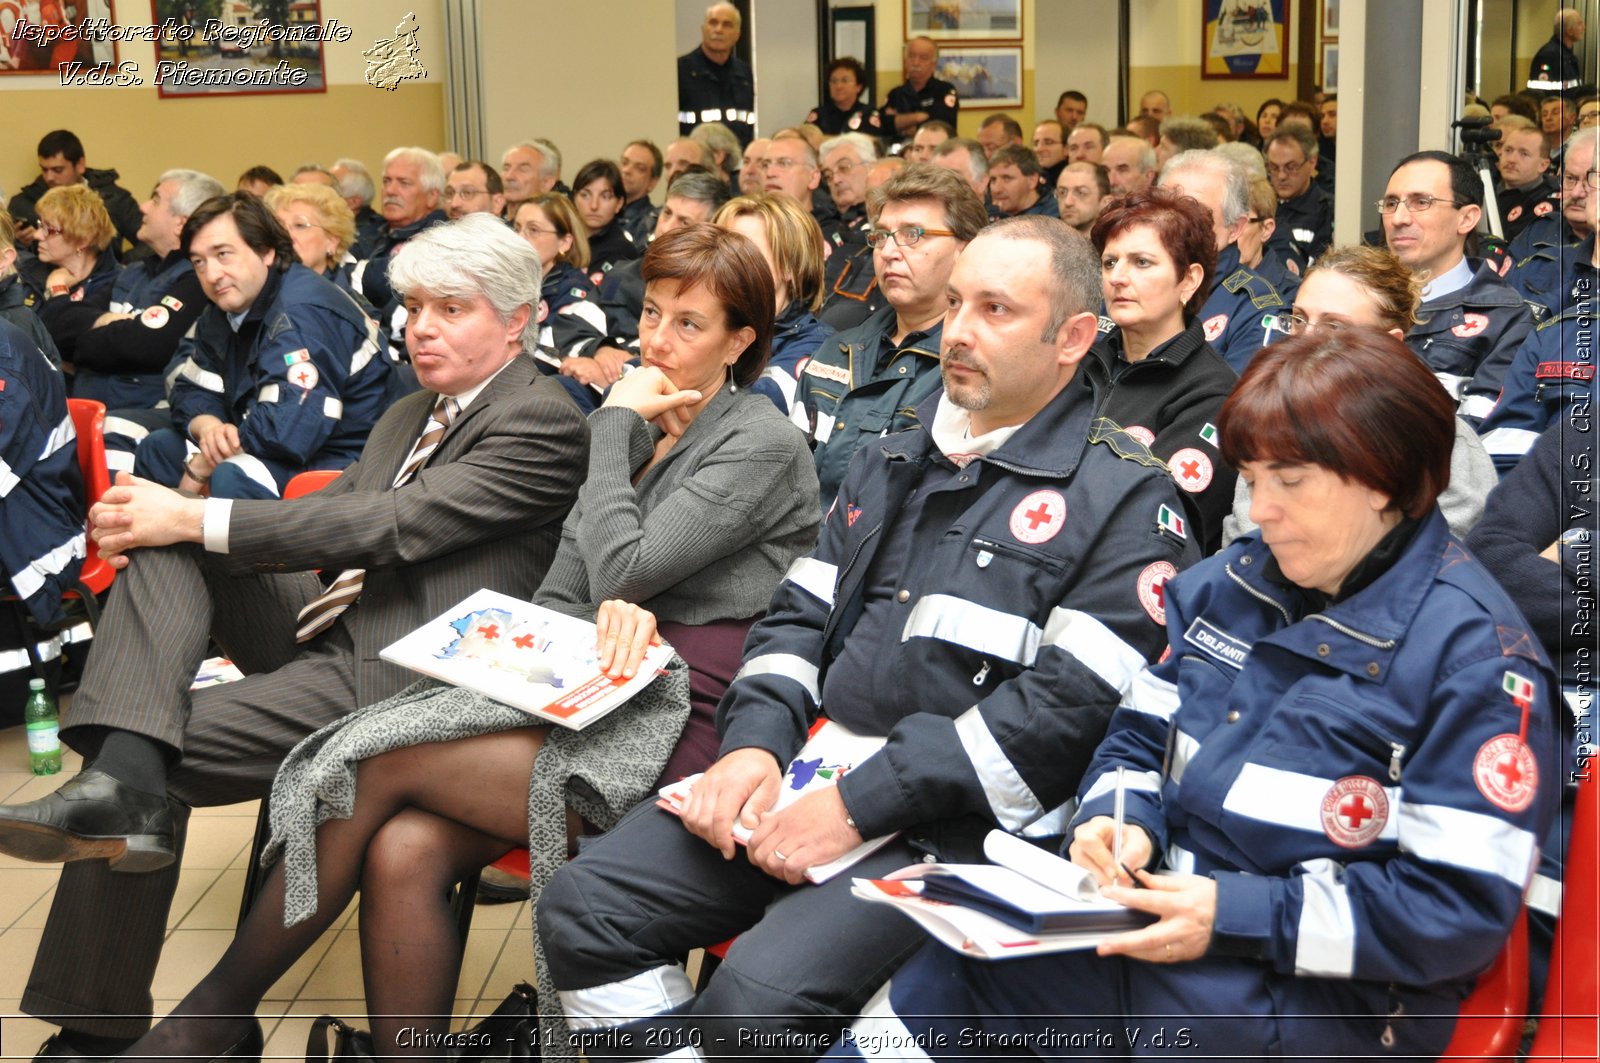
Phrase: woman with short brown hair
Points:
(699, 496)
(1333, 783)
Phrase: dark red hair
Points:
(1181, 223)
(1357, 402)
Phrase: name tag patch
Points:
(1564, 371)
(1217, 643)
(836, 373)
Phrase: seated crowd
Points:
(1048, 464)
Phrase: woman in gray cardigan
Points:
(700, 494)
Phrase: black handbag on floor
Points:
(509, 1035)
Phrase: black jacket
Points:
(1169, 401)
(120, 204)
(708, 92)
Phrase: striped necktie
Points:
(318, 616)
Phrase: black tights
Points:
(424, 818)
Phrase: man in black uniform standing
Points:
(922, 96)
(1555, 66)
(714, 85)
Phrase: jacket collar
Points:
(1485, 289)
(1107, 350)
(1050, 444)
(1361, 633)
(1227, 263)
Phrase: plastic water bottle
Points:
(44, 729)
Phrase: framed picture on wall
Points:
(1244, 39)
(1330, 18)
(212, 48)
(1330, 66)
(964, 20)
(56, 40)
(984, 75)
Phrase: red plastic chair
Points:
(306, 483)
(1493, 1016)
(96, 574)
(1569, 1029)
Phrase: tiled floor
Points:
(326, 980)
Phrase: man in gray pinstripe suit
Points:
(482, 509)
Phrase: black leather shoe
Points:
(92, 816)
(57, 1048)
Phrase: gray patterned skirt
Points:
(599, 772)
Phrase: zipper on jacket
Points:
(983, 674)
(1396, 751)
(1287, 619)
(1371, 640)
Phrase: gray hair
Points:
(549, 157)
(1147, 154)
(865, 147)
(738, 19)
(715, 137)
(1075, 286)
(1242, 153)
(472, 257)
(550, 168)
(1236, 196)
(430, 171)
(357, 179)
(977, 161)
(194, 188)
(705, 188)
(1584, 141)
(1190, 134)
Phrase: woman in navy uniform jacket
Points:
(1340, 769)
(844, 111)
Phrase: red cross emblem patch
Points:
(1542, 208)
(1471, 325)
(1039, 517)
(303, 375)
(1191, 468)
(1506, 772)
(1214, 326)
(1354, 811)
(1142, 434)
(1153, 589)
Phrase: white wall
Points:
(1075, 47)
(786, 56)
(588, 78)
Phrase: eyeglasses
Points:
(46, 229)
(464, 193)
(1414, 204)
(839, 171)
(302, 226)
(1287, 169)
(1295, 323)
(534, 230)
(907, 236)
(782, 163)
(1569, 181)
(755, 164)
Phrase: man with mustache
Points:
(983, 593)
